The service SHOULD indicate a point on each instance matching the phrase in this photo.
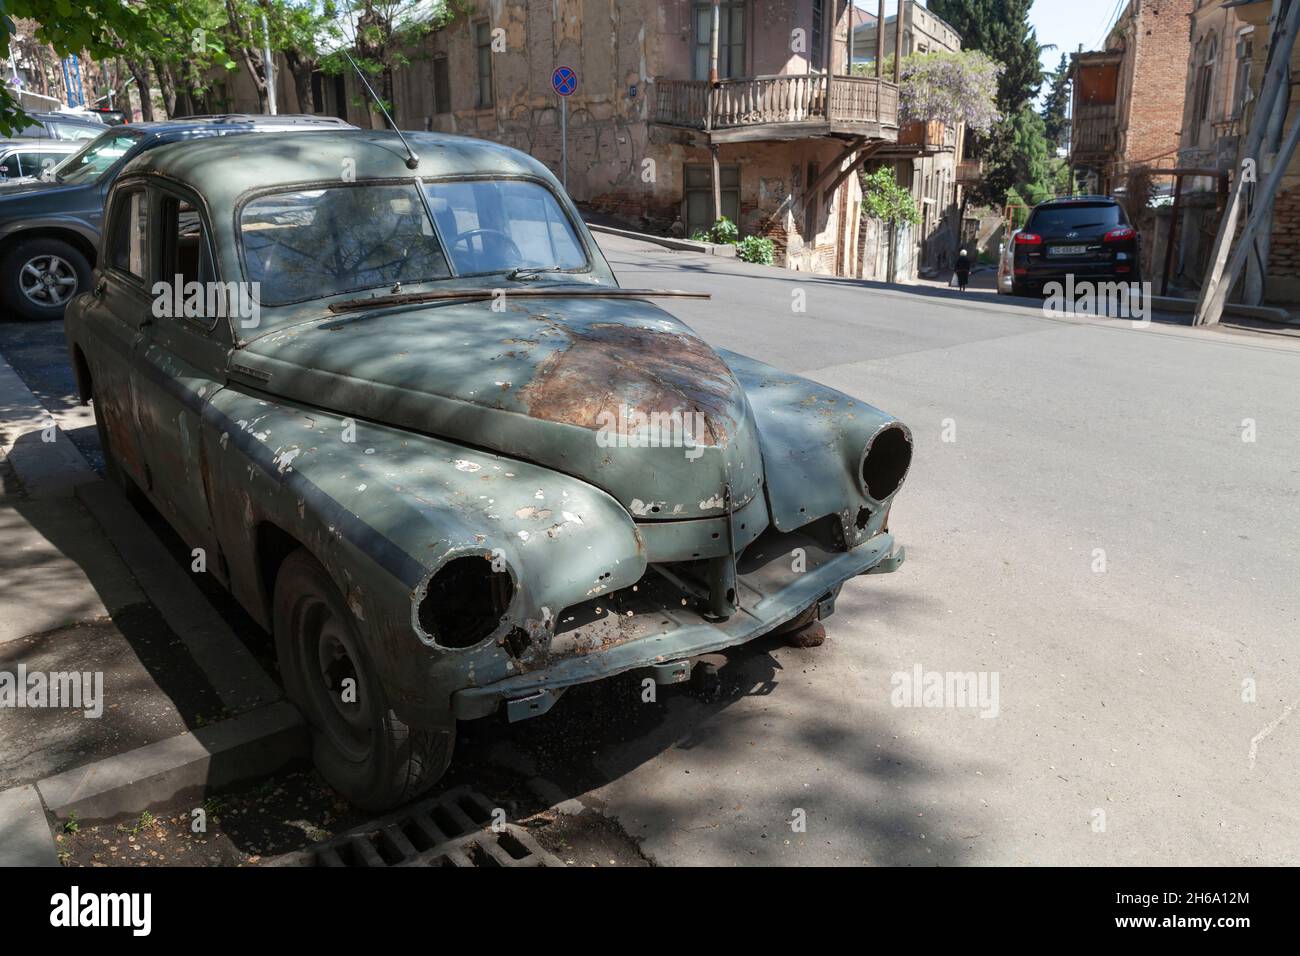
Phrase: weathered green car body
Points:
(480, 429)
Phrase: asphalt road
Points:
(1120, 735)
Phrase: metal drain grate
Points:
(454, 829)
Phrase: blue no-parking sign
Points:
(564, 80)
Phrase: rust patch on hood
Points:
(611, 372)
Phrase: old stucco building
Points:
(783, 126)
(929, 157)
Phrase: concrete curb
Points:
(188, 766)
(681, 245)
(230, 668)
(46, 468)
(1170, 303)
(25, 838)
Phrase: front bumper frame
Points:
(767, 604)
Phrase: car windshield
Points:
(89, 163)
(308, 244)
(319, 242)
(1054, 219)
(498, 225)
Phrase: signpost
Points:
(564, 80)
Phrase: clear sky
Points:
(1067, 23)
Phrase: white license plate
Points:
(1067, 250)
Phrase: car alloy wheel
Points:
(48, 280)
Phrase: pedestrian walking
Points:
(962, 268)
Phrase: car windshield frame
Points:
(419, 183)
(110, 132)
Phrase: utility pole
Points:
(268, 66)
(852, 10)
(716, 170)
(1274, 97)
(898, 42)
(880, 41)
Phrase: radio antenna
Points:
(412, 160)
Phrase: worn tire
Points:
(361, 748)
(26, 250)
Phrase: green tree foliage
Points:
(1015, 145)
(1056, 104)
(1001, 29)
(884, 199)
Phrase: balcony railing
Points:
(776, 100)
(1095, 130)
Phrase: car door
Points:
(182, 360)
(115, 315)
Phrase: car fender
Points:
(384, 509)
(813, 439)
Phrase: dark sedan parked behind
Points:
(1089, 237)
(49, 227)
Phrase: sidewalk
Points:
(87, 590)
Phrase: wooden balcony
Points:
(1094, 133)
(780, 107)
(969, 172)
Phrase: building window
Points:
(441, 85)
(1241, 84)
(815, 45)
(483, 47)
(731, 39)
(1205, 81)
(699, 196)
(340, 97)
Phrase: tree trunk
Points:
(140, 72)
(251, 55)
(301, 68)
(164, 73)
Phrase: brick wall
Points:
(1159, 45)
(1284, 249)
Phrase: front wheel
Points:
(361, 748)
(39, 277)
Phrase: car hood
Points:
(615, 391)
(27, 186)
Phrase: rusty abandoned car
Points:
(438, 452)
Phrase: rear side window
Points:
(38, 164)
(129, 232)
(1066, 218)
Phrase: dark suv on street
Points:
(1089, 237)
(49, 228)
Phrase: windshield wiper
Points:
(531, 272)
(464, 295)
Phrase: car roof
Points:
(223, 168)
(1075, 200)
(241, 121)
(66, 118)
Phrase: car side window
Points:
(73, 131)
(186, 254)
(128, 239)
